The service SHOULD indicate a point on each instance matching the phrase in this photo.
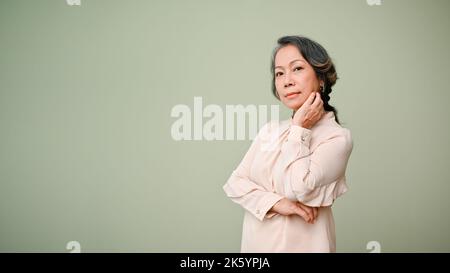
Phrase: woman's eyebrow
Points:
(296, 60)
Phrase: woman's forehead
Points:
(288, 55)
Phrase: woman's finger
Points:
(302, 213)
(313, 114)
(315, 212)
(311, 98)
(308, 210)
(317, 100)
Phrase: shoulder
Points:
(332, 131)
(346, 135)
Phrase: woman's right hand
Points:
(287, 207)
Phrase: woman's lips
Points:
(292, 95)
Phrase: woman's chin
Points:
(294, 105)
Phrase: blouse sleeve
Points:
(250, 195)
(314, 176)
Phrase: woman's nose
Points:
(288, 80)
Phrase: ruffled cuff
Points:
(252, 197)
(323, 195)
(297, 133)
(270, 200)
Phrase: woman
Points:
(294, 169)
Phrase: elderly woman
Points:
(294, 169)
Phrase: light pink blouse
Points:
(289, 161)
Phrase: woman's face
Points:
(295, 78)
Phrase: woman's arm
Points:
(287, 207)
(247, 193)
(310, 175)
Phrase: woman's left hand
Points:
(310, 112)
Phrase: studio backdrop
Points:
(105, 108)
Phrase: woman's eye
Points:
(278, 74)
(298, 68)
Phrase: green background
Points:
(86, 93)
